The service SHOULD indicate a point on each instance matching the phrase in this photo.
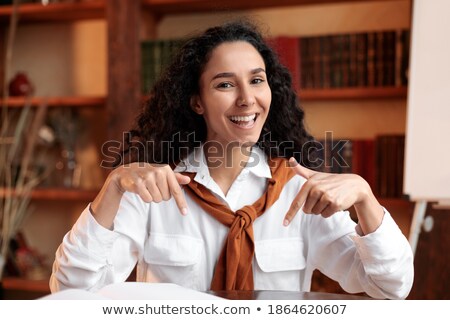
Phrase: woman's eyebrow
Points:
(258, 70)
(224, 75)
(231, 74)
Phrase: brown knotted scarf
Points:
(234, 268)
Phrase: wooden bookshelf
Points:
(182, 6)
(54, 102)
(353, 93)
(58, 194)
(54, 12)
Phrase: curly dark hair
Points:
(168, 129)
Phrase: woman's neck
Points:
(226, 163)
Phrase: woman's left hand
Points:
(327, 193)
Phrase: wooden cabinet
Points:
(129, 22)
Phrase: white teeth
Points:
(243, 118)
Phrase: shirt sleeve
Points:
(380, 263)
(91, 256)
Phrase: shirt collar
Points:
(196, 162)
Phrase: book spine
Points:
(325, 48)
(389, 58)
(379, 59)
(371, 59)
(288, 50)
(345, 60)
(353, 60)
(362, 60)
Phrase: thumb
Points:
(182, 179)
(300, 170)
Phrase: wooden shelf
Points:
(184, 6)
(59, 194)
(54, 12)
(54, 102)
(353, 93)
(14, 283)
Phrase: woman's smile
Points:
(244, 121)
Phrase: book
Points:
(288, 50)
(133, 291)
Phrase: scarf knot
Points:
(246, 215)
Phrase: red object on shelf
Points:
(20, 85)
(288, 49)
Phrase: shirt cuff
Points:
(92, 236)
(380, 250)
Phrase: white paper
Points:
(73, 294)
(134, 291)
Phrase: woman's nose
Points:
(246, 98)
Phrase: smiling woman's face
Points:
(234, 94)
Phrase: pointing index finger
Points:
(297, 204)
(177, 194)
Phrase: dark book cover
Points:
(345, 60)
(288, 50)
(389, 58)
(379, 59)
(353, 60)
(336, 63)
(361, 60)
(371, 59)
(316, 62)
(325, 52)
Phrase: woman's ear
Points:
(196, 105)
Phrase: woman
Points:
(213, 144)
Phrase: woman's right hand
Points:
(152, 182)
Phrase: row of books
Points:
(379, 161)
(155, 56)
(368, 59)
(371, 59)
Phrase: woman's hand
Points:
(152, 182)
(326, 194)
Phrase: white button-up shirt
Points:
(169, 247)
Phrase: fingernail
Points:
(285, 222)
(184, 211)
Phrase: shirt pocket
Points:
(173, 258)
(279, 264)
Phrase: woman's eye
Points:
(224, 85)
(257, 80)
